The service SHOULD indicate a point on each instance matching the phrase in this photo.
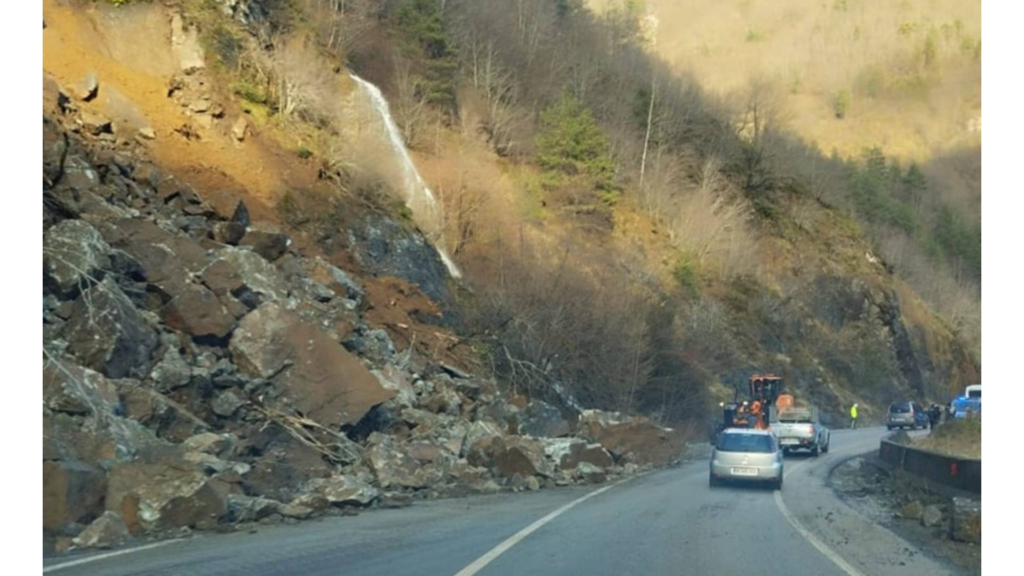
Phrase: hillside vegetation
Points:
(631, 239)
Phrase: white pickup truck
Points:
(798, 428)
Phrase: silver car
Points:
(746, 455)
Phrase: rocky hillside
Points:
(201, 371)
(244, 322)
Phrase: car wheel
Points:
(815, 451)
(777, 485)
(713, 482)
(827, 444)
(890, 428)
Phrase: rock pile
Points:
(199, 371)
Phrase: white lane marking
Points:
(79, 562)
(817, 543)
(500, 549)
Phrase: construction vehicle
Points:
(758, 409)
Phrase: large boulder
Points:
(965, 520)
(75, 257)
(569, 453)
(633, 439)
(73, 492)
(108, 334)
(397, 381)
(76, 390)
(282, 465)
(268, 244)
(197, 311)
(542, 420)
(315, 374)
(104, 532)
(393, 466)
(166, 259)
(163, 495)
(261, 282)
(509, 456)
(344, 490)
(101, 440)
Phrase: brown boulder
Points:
(508, 456)
(104, 532)
(222, 278)
(316, 374)
(163, 495)
(634, 439)
(73, 491)
(596, 454)
(166, 259)
(228, 232)
(270, 245)
(197, 311)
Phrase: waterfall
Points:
(417, 193)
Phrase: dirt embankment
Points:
(137, 53)
(961, 438)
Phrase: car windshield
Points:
(899, 408)
(746, 443)
(974, 394)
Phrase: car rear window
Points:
(746, 443)
(974, 394)
(899, 408)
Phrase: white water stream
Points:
(418, 196)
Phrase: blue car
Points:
(969, 403)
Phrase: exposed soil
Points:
(866, 485)
(83, 38)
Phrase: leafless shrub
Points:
(304, 82)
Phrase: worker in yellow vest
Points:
(853, 416)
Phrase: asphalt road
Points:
(667, 522)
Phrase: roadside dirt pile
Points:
(201, 370)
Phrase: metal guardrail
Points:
(961, 473)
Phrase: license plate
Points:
(789, 441)
(744, 471)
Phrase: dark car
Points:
(906, 415)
